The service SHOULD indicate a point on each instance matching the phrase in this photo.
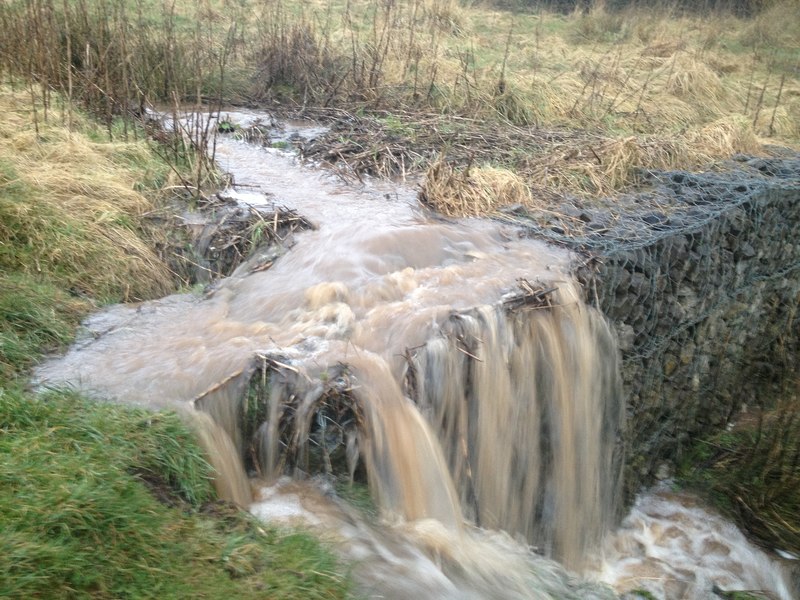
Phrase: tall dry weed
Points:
(775, 26)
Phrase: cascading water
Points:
(527, 401)
(451, 365)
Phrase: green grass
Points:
(752, 473)
(639, 594)
(78, 520)
(396, 126)
(359, 497)
(35, 317)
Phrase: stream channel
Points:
(451, 364)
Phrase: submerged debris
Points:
(288, 422)
(257, 132)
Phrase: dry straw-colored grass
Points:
(652, 89)
(602, 167)
(71, 204)
(586, 165)
(472, 191)
(631, 76)
(721, 138)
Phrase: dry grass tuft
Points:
(694, 80)
(599, 24)
(601, 166)
(472, 192)
(604, 166)
(723, 137)
(445, 15)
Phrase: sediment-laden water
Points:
(449, 364)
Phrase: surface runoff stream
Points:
(449, 365)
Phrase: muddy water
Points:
(515, 422)
(672, 547)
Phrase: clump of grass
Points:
(472, 191)
(696, 147)
(599, 24)
(723, 137)
(514, 106)
(694, 80)
(582, 164)
(753, 471)
(35, 317)
(78, 518)
(601, 167)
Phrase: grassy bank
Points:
(100, 500)
(72, 234)
(752, 471)
(105, 502)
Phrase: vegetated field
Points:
(638, 87)
(569, 103)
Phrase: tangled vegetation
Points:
(646, 86)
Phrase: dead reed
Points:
(116, 59)
(472, 191)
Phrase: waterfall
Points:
(527, 406)
(450, 366)
(509, 415)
